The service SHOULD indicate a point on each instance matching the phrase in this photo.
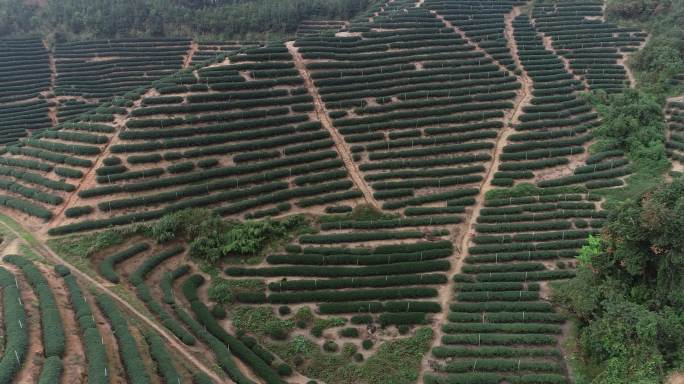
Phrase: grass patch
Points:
(29, 253)
(224, 291)
(19, 229)
(396, 362)
(636, 185)
(261, 321)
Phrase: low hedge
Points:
(507, 328)
(16, 336)
(54, 340)
(150, 263)
(391, 223)
(497, 296)
(128, 350)
(502, 306)
(78, 211)
(502, 339)
(317, 271)
(376, 307)
(51, 372)
(358, 259)
(240, 350)
(374, 282)
(527, 276)
(165, 367)
(402, 318)
(358, 237)
(499, 365)
(443, 352)
(68, 172)
(106, 267)
(95, 351)
(506, 317)
(351, 295)
(166, 283)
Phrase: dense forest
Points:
(87, 19)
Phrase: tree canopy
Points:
(628, 296)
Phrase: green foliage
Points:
(398, 362)
(319, 325)
(128, 349)
(53, 337)
(627, 296)
(225, 291)
(632, 121)
(212, 239)
(590, 251)
(224, 19)
(16, 336)
(663, 55)
(261, 321)
(51, 371)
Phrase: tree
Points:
(628, 295)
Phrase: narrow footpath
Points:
(322, 113)
(446, 292)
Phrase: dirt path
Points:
(446, 292)
(74, 359)
(548, 44)
(89, 179)
(52, 110)
(171, 341)
(624, 62)
(191, 53)
(340, 144)
(469, 41)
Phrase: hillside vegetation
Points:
(341, 191)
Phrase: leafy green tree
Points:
(628, 296)
(632, 121)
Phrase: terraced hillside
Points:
(675, 144)
(432, 157)
(44, 86)
(25, 80)
(52, 326)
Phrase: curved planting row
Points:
(238, 137)
(209, 50)
(95, 351)
(204, 316)
(346, 281)
(594, 48)
(51, 325)
(418, 106)
(500, 326)
(44, 170)
(24, 77)
(555, 126)
(129, 351)
(145, 294)
(106, 68)
(482, 22)
(319, 27)
(15, 328)
(674, 111)
(221, 351)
